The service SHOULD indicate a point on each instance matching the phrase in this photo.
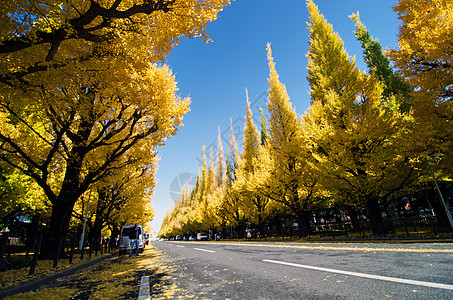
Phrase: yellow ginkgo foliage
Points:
(84, 91)
(357, 140)
(292, 183)
(424, 59)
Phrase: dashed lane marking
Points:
(364, 275)
(210, 251)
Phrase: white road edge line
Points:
(210, 251)
(143, 292)
(363, 275)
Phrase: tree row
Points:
(85, 99)
(369, 144)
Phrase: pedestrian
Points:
(133, 239)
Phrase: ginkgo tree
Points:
(424, 59)
(292, 183)
(247, 184)
(231, 210)
(364, 140)
(66, 150)
(358, 140)
(213, 204)
(120, 198)
(81, 86)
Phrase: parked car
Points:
(202, 236)
(146, 237)
(124, 242)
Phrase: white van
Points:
(202, 236)
(124, 242)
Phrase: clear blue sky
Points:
(215, 75)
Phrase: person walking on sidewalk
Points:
(133, 239)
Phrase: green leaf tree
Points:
(379, 65)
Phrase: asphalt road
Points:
(223, 270)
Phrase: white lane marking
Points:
(363, 275)
(180, 246)
(210, 251)
(143, 292)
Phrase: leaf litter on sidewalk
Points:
(114, 278)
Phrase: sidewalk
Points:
(107, 277)
(35, 284)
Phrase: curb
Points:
(37, 283)
(403, 240)
(386, 240)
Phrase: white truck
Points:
(124, 241)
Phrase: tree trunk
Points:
(97, 229)
(98, 221)
(375, 216)
(303, 220)
(59, 224)
(241, 229)
(70, 191)
(114, 235)
(261, 226)
(32, 232)
(355, 222)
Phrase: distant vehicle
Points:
(202, 236)
(146, 238)
(124, 242)
(178, 238)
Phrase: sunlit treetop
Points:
(326, 53)
(251, 139)
(425, 44)
(220, 162)
(284, 127)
